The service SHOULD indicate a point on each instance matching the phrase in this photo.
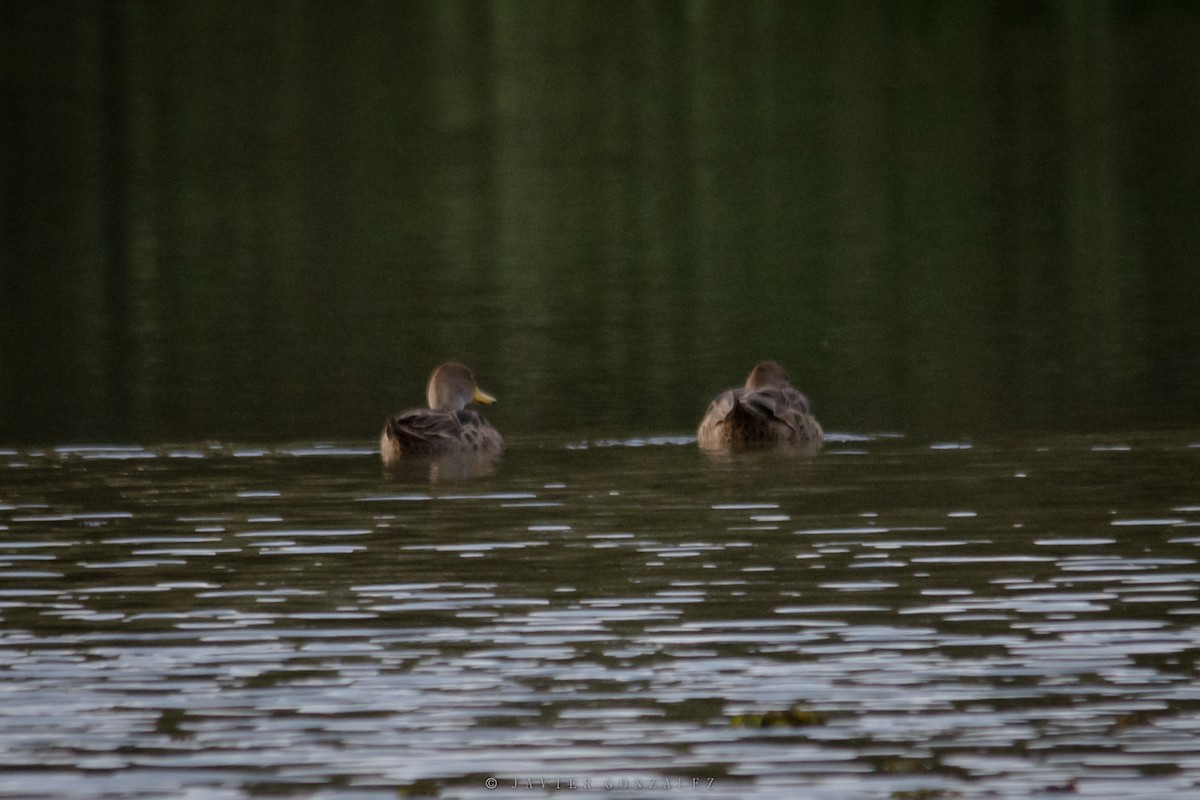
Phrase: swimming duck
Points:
(447, 426)
(767, 413)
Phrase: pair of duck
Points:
(766, 413)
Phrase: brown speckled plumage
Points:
(447, 426)
(767, 413)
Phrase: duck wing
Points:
(776, 403)
(422, 431)
(787, 412)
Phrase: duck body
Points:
(447, 426)
(767, 413)
(424, 432)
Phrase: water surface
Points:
(1000, 618)
(233, 222)
(234, 237)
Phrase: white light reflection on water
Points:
(299, 621)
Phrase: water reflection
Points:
(451, 468)
(908, 617)
(940, 216)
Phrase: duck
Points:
(447, 427)
(767, 413)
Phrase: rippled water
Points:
(1006, 618)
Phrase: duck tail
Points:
(740, 412)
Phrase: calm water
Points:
(236, 236)
(977, 619)
(243, 221)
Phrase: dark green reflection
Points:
(232, 220)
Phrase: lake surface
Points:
(235, 237)
(944, 218)
(1004, 618)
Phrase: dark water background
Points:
(237, 220)
(235, 236)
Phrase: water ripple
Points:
(238, 620)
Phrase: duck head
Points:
(452, 387)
